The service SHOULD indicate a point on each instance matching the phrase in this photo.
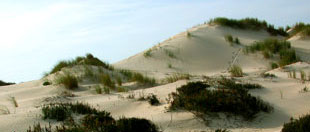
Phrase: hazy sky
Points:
(36, 34)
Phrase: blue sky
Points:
(35, 34)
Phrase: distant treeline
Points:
(2, 83)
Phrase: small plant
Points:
(119, 81)
(236, 71)
(237, 41)
(229, 38)
(152, 99)
(294, 74)
(274, 65)
(46, 83)
(302, 75)
(121, 89)
(188, 34)
(270, 75)
(169, 53)
(106, 80)
(169, 65)
(2, 83)
(147, 53)
(106, 90)
(176, 77)
(98, 89)
(304, 90)
(266, 54)
(13, 100)
(68, 80)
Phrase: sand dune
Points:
(204, 53)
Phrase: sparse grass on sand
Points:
(68, 80)
(297, 125)
(236, 71)
(249, 23)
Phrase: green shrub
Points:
(199, 98)
(265, 75)
(107, 81)
(274, 65)
(152, 99)
(106, 90)
(266, 54)
(46, 83)
(169, 65)
(135, 125)
(68, 80)
(100, 122)
(188, 34)
(229, 38)
(119, 81)
(98, 89)
(237, 41)
(121, 89)
(249, 23)
(297, 125)
(147, 53)
(236, 71)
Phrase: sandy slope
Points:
(206, 53)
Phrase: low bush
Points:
(46, 83)
(147, 53)
(236, 71)
(270, 75)
(298, 125)
(229, 97)
(98, 89)
(274, 65)
(302, 29)
(68, 80)
(106, 80)
(229, 38)
(152, 99)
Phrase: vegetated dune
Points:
(202, 50)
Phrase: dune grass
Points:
(249, 23)
(80, 60)
(302, 29)
(236, 71)
(68, 80)
(148, 53)
(175, 77)
(280, 48)
(137, 77)
(228, 97)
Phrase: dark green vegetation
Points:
(152, 99)
(249, 23)
(80, 60)
(273, 47)
(2, 83)
(298, 125)
(68, 80)
(303, 29)
(137, 77)
(92, 120)
(228, 97)
(46, 83)
(229, 38)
